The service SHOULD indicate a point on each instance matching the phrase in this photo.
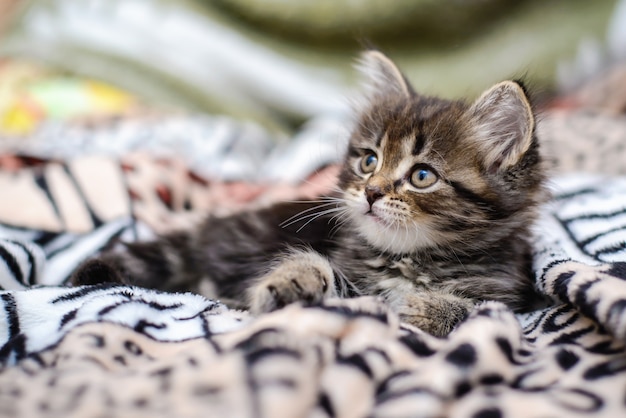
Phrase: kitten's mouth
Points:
(377, 218)
(377, 215)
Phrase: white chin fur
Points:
(395, 239)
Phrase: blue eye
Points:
(369, 163)
(423, 178)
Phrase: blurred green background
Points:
(283, 62)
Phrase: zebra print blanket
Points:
(115, 351)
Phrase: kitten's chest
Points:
(375, 272)
(406, 268)
(379, 274)
(402, 275)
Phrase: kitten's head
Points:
(425, 172)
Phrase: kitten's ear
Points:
(383, 76)
(503, 124)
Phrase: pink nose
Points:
(373, 193)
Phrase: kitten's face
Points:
(425, 172)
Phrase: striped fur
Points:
(433, 212)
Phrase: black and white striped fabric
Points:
(35, 319)
(33, 257)
(21, 264)
(587, 220)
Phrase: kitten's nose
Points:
(373, 193)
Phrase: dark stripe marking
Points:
(420, 138)
(42, 183)
(31, 261)
(265, 352)
(16, 342)
(589, 216)
(12, 264)
(67, 318)
(10, 307)
(95, 220)
(592, 238)
(84, 291)
(357, 361)
(493, 209)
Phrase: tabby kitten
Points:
(436, 205)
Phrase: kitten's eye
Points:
(369, 163)
(423, 178)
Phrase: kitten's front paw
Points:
(303, 277)
(438, 314)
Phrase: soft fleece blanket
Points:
(114, 351)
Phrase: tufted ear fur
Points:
(383, 76)
(503, 125)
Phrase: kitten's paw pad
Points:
(292, 283)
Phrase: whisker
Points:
(304, 217)
(336, 216)
(301, 215)
(316, 216)
(337, 226)
(342, 218)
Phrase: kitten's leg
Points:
(300, 276)
(434, 312)
(169, 263)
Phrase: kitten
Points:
(436, 205)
